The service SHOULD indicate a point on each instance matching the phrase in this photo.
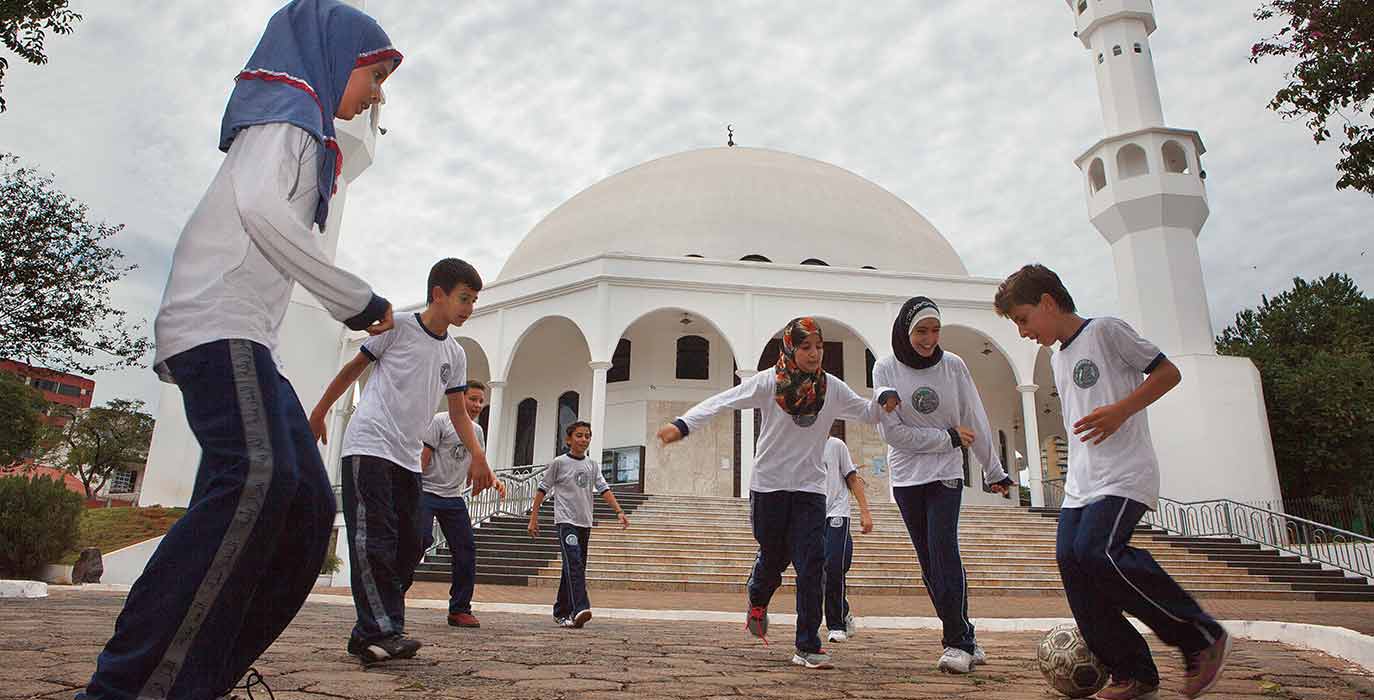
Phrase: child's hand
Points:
(317, 427)
(891, 403)
(999, 489)
(865, 522)
(384, 325)
(480, 476)
(624, 521)
(533, 527)
(1101, 424)
(966, 436)
(669, 434)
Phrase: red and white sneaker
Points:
(1205, 667)
(757, 622)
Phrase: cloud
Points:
(971, 112)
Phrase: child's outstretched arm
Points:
(264, 179)
(754, 392)
(856, 487)
(480, 475)
(1106, 420)
(344, 379)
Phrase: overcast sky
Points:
(970, 111)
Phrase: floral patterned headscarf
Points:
(799, 393)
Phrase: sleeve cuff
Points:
(954, 438)
(882, 398)
(427, 445)
(681, 426)
(543, 490)
(1154, 364)
(456, 389)
(370, 357)
(1006, 481)
(372, 313)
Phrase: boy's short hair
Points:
(477, 384)
(449, 273)
(1025, 287)
(568, 431)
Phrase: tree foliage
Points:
(57, 271)
(38, 523)
(1333, 42)
(101, 441)
(23, 26)
(20, 419)
(1314, 347)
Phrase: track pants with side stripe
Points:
(234, 570)
(839, 556)
(382, 515)
(931, 514)
(1104, 577)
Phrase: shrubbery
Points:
(38, 523)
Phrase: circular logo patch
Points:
(837, 522)
(1085, 373)
(925, 400)
(443, 373)
(460, 452)
(805, 421)
(571, 539)
(581, 480)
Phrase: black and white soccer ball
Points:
(1068, 665)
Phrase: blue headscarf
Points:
(298, 73)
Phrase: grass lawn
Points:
(108, 529)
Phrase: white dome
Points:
(726, 203)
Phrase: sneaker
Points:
(850, 626)
(955, 660)
(463, 619)
(567, 622)
(757, 622)
(386, 649)
(1128, 689)
(980, 657)
(581, 618)
(812, 659)
(1204, 668)
(837, 636)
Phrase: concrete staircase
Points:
(691, 543)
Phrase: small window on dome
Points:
(755, 257)
(1116, 50)
(1099, 58)
(868, 267)
(692, 255)
(1137, 48)
(815, 261)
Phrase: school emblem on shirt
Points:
(925, 400)
(580, 479)
(837, 522)
(460, 452)
(443, 373)
(1085, 373)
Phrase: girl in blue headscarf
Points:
(233, 571)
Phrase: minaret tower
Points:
(1144, 185)
(1144, 182)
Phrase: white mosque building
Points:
(668, 282)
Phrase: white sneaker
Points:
(955, 661)
(980, 657)
(837, 636)
(850, 626)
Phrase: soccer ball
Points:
(1068, 665)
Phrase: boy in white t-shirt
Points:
(841, 479)
(1113, 479)
(444, 473)
(416, 363)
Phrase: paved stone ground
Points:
(49, 648)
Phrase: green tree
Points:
(1314, 347)
(1333, 42)
(23, 26)
(100, 441)
(20, 421)
(57, 271)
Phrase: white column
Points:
(495, 399)
(598, 417)
(746, 439)
(1033, 467)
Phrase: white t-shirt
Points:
(1102, 364)
(572, 482)
(789, 453)
(941, 396)
(447, 474)
(838, 465)
(413, 369)
(248, 241)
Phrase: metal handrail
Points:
(521, 484)
(1223, 517)
(1054, 492)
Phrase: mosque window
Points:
(815, 261)
(1099, 58)
(1116, 50)
(869, 361)
(1175, 159)
(483, 417)
(620, 363)
(693, 357)
(755, 257)
(567, 415)
(525, 414)
(1130, 161)
(1137, 47)
(1097, 175)
(833, 359)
